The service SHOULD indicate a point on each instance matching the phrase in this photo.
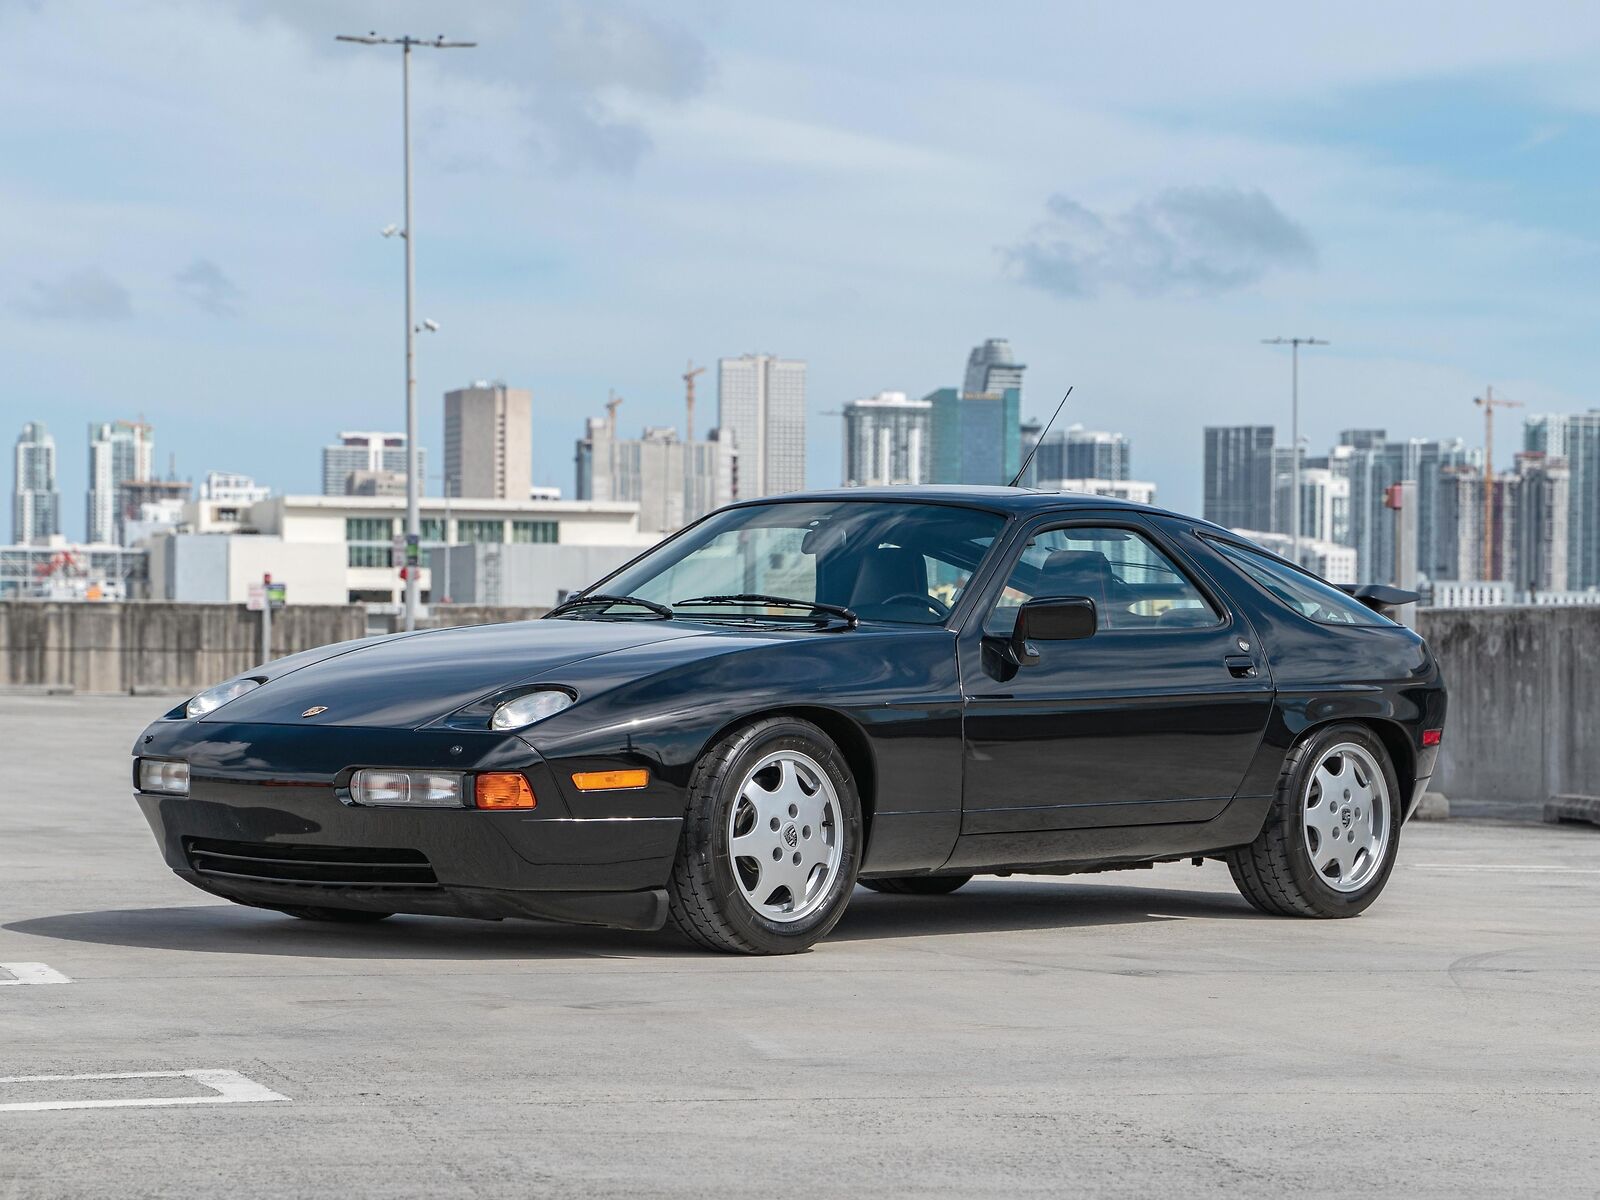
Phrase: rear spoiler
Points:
(1380, 597)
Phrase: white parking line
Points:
(30, 973)
(1504, 867)
(230, 1088)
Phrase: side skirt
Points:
(1236, 825)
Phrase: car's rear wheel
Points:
(771, 841)
(343, 916)
(1330, 839)
(917, 885)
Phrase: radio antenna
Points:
(1028, 462)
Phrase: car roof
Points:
(998, 499)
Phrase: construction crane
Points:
(1489, 402)
(612, 404)
(689, 373)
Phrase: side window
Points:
(1132, 583)
(1303, 592)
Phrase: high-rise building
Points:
(1375, 466)
(673, 482)
(488, 441)
(761, 404)
(1575, 438)
(358, 450)
(1079, 453)
(1539, 524)
(888, 439)
(35, 502)
(1239, 476)
(992, 369)
(977, 436)
(119, 452)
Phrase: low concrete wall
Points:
(443, 615)
(153, 645)
(1524, 702)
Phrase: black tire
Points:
(1275, 873)
(705, 902)
(341, 916)
(916, 885)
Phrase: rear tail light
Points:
(504, 789)
(1432, 737)
(408, 789)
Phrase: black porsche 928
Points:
(901, 688)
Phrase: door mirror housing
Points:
(1052, 619)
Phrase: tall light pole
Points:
(1294, 433)
(409, 233)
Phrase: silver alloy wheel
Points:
(785, 836)
(1346, 817)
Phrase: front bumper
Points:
(249, 821)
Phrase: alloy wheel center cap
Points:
(1345, 817)
(791, 836)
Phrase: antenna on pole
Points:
(1028, 462)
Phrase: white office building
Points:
(1135, 491)
(673, 482)
(761, 403)
(888, 439)
(119, 452)
(35, 501)
(339, 549)
(362, 450)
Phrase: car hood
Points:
(408, 681)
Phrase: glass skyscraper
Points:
(761, 403)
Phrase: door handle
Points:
(1241, 666)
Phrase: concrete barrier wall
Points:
(1524, 700)
(1524, 682)
(153, 645)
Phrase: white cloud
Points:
(88, 294)
(1200, 240)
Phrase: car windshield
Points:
(905, 563)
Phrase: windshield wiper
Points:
(846, 615)
(606, 601)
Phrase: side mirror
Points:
(1052, 619)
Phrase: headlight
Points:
(525, 710)
(160, 775)
(413, 789)
(214, 698)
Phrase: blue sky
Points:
(1134, 195)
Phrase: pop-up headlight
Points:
(524, 710)
(214, 698)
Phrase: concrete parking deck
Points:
(1133, 1034)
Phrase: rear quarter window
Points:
(1309, 596)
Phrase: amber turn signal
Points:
(503, 789)
(610, 781)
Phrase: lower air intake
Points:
(311, 866)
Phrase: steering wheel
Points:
(938, 607)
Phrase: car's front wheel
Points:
(771, 841)
(1329, 842)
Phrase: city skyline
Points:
(579, 240)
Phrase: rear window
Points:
(1300, 590)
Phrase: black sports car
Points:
(901, 688)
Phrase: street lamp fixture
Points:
(1294, 436)
(408, 232)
